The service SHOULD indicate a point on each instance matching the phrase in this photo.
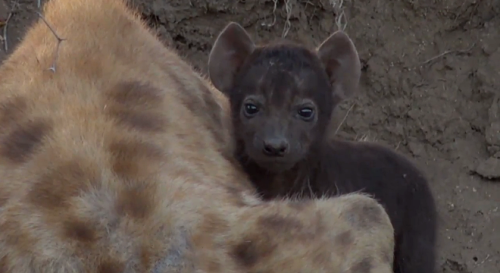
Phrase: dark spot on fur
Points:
(142, 121)
(290, 226)
(138, 106)
(363, 266)
(20, 144)
(246, 254)
(12, 111)
(136, 201)
(111, 266)
(251, 250)
(133, 93)
(322, 258)
(80, 231)
(132, 158)
(3, 198)
(280, 223)
(363, 215)
(53, 189)
(344, 240)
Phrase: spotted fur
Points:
(117, 162)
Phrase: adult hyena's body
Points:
(117, 162)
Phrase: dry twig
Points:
(5, 39)
(465, 51)
(59, 41)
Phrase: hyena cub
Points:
(282, 96)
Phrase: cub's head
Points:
(282, 95)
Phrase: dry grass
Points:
(338, 7)
(343, 119)
(364, 138)
(287, 7)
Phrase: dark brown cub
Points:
(282, 97)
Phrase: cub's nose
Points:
(276, 147)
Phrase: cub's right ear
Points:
(229, 52)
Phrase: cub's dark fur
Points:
(282, 97)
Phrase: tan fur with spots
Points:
(116, 162)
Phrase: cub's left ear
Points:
(341, 61)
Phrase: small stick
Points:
(343, 120)
(449, 52)
(485, 259)
(59, 41)
(5, 41)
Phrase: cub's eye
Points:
(250, 109)
(306, 113)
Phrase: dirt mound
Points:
(430, 88)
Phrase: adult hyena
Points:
(111, 162)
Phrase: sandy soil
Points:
(430, 88)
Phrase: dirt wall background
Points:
(430, 88)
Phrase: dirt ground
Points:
(430, 88)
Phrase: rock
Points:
(489, 169)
